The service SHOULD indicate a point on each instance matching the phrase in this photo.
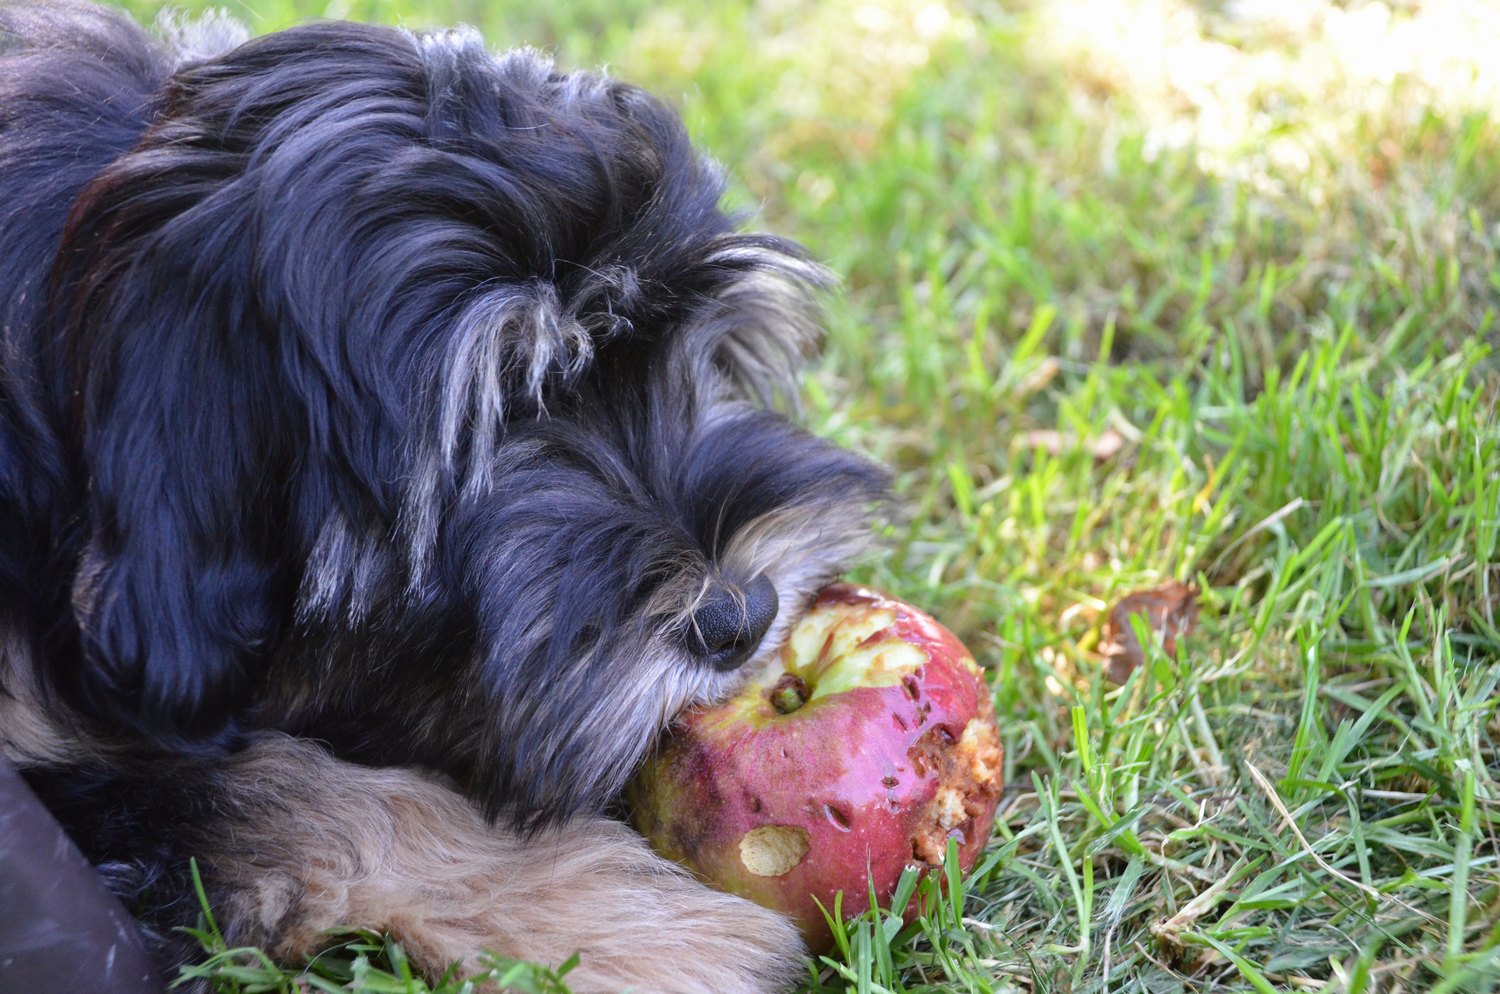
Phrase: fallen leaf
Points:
(1105, 446)
(1170, 611)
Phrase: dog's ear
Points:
(768, 321)
(169, 383)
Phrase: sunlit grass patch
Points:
(1260, 90)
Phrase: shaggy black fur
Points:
(373, 388)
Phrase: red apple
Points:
(865, 745)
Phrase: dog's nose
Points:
(728, 626)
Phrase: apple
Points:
(863, 747)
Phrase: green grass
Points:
(1291, 322)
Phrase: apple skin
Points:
(894, 751)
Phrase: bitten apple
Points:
(868, 742)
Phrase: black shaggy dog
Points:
(389, 446)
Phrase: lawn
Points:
(1135, 293)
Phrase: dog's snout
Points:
(728, 626)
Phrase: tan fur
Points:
(800, 549)
(27, 734)
(322, 844)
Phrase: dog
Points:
(394, 437)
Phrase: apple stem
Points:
(789, 693)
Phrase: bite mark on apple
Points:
(771, 850)
(928, 752)
(968, 771)
(948, 808)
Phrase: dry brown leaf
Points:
(1170, 610)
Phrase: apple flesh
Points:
(864, 746)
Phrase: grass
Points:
(1259, 245)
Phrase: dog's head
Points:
(430, 403)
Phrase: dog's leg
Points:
(307, 843)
